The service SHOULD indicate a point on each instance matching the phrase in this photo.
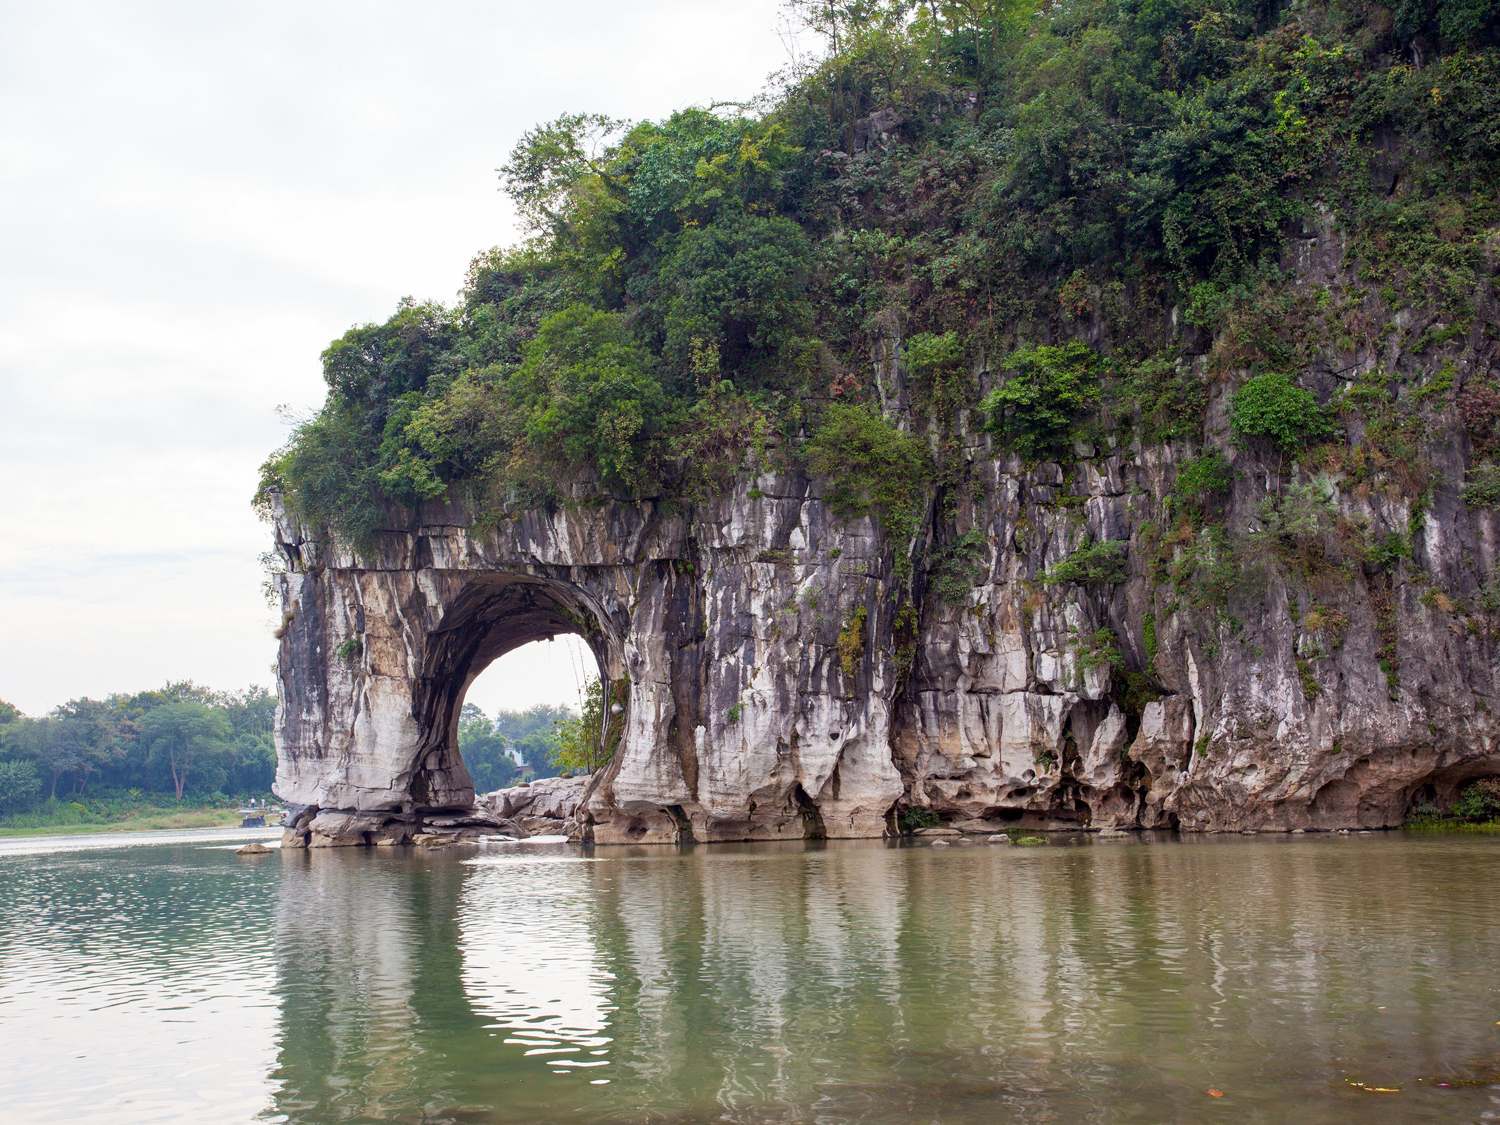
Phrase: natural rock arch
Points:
(738, 722)
(495, 613)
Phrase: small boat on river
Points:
(254, 816)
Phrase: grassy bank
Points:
(149, 822)
(130, 813)
(1437, 826)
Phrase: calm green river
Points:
(1304, 979)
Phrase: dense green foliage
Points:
(1202, 481)
(20, 786)
(583, 743)
(1035, 412)
(485, 751)
(957, 567)
(181, 741)
(497, 750)
(1094, 564)
(1270, 408)
(872, 466)
(1065, 226)
(1482, 489)
(1477, 803)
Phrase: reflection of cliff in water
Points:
(856, 982)
(369, 984)
(861, 983)
(739, 977)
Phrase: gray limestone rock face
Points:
(556, 798)
(721, 624)
(784, 679)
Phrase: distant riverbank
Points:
(144, 821)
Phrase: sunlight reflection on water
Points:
(535, 972)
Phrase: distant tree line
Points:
(186, 742)
(182, 741)
(547, 739)
(497, 751)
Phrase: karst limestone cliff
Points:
(783, 679)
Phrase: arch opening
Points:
(497, 621)
(506, 725)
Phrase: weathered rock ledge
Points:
(336, 828)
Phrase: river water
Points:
(1305, 979)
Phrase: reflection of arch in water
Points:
(404, 978)
(495, 614)
(539, 973)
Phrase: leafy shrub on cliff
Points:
(739, 288)
(1098, 649)
(852, 641)
(1297, 529)
(589, 398)
(1169, 397)
(872, 467)
(1096, 564)
(1482, 490)
(375, 365)
(1270, 408)
(583, 744)
(1203, 480)
(927, 351)
(1036, 410)
(1479, 407)
(955, 568)
(329, 474)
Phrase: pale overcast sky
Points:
(197, 197)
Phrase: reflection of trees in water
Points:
(861, 983)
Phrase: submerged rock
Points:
(252, 848)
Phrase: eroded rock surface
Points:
(740, 722)
(743, 722)
(545, 807)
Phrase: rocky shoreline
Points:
(545, 807)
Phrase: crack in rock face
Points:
(780, 681)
